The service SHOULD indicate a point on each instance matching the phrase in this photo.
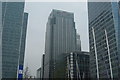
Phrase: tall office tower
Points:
(0, 40)
(14, 23)
(78, 43)
(60, 38)
(42, 66)
(104, 39)
(22, 45)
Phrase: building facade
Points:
(60, 38)
(14, 23)
(0, 40)
(77, 65)
(78, 43)
(104, 39)
(39, 74)
(22, 45)
(42, 66)
(74, 65)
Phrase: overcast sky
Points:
(38, 15)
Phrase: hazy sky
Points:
(38, 15)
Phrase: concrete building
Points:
(39, 74)
(104, 39)
(60, 38)
(13, 31)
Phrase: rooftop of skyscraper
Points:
(62, 13)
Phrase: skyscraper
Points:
(60, 39)
(42, 66)
(78, 43)
(22, 45)
(104, 39)
(14, 23)
(0, 40)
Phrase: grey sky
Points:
(38, 15)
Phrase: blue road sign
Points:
(20, 72)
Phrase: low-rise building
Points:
(74, 65)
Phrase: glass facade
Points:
(0, 40)
(23, 39)
(77, 65)
(42, 66)
(12, 37)
(60, 38)
(78, 43)
(74, 65)
(104, 39)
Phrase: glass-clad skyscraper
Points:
(60, 38)
(13, 30)
(104, 39)
(0, 40)
(22, 44)
(78, 43)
